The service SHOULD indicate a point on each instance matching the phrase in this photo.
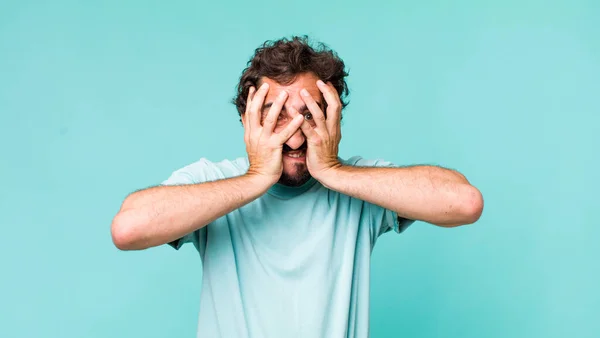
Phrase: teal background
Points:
(100, 98)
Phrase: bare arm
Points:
(162, 214)
(432, 194)
(427, 193)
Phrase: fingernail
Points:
(304, 92)
(282, 94)
(264, 86)
(320, 83)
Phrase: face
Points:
(295, 171)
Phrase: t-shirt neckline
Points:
(285, 192)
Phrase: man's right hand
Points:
(162, 214)
(263, 145)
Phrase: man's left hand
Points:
(323, 137)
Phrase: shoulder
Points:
(205, 169)
(359, 161)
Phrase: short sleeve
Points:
(382, 220)
(181, 177)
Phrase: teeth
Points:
(295, 155)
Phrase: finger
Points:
(256, 105)
(308, 131)
(274, 112)
(251, 92)
(307, 117)
(333, 104)
(313, 107)
(290, 129)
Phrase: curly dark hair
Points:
(284, 59)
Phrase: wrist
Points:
(259, 181)
(329, 176)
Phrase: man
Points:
(285, 234)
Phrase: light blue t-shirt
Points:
(293, 263)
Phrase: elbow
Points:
(472, 205)
(468, 211)
(123, 233)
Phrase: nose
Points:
(296, 140)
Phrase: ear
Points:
(243, 119)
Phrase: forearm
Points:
(162, 214)
(435, 195)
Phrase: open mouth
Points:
(295, 154)
(298, 153)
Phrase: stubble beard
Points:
(299, 176)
